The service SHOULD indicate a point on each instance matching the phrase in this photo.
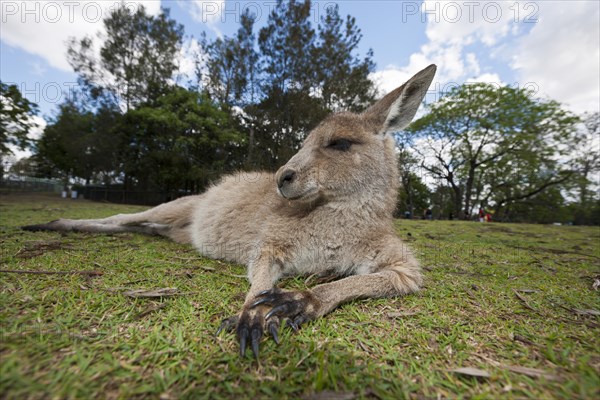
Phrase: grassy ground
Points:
(516, 301)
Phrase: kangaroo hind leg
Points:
(169, 219)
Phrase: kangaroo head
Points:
(350, 156)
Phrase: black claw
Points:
(226, 325)
(264, 292)
(292, 325)
(299, 320)
(273, 328)
(243, 333)
(281, 309)
(260, 301)
(256, 334)
(221, 327)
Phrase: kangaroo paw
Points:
(250, 326)
(298, 307)
(250, 330)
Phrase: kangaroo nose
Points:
(286, 177)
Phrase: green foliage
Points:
(546, 207)
(80, 144)
(298, 76)
(587, 160)
(231, 67)
(168, 138)
(414, 196)
(184, 141)
(341, 74)
(273, 86)
(15, 118)
(286, 45)
(495, 146)
(137, 59)
(65, 142)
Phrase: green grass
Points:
(75, 336)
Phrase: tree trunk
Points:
(250, 159)
(468, 188)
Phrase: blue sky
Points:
(550, 46)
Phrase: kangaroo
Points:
(328, 209)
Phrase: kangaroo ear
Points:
(397, 109)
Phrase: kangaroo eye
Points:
(340, 144)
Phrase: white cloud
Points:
(208, 12)
(561, 54)
(189, 55)
(43, 27)
(466, 22)
(39, 124)
(452, 27)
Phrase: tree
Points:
(300, 84)
(414, 195)
(587, 162)
(546, 207)
(286, 44)
(230, 75)
(16, 114)
(494, 145)
(65, 142)
(137, 58)
(81, 143)
(230, 69)
(342, 76)
(586, 165)
(25, 166)
(182, 142)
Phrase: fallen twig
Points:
(531, 372)
(163, 292)
(523, 300)
(149, 310)
(28, 271)
(523, 339)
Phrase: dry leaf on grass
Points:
(527, 290)
(532, 372)
(523, 300)
(396, 314)
(163, 292)
(475, 372)
(579, 311)
(585, 312)
(519, 338)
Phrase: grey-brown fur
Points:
(328, 209)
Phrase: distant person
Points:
(451, 216)
(407, 214)
(481, 214)
(488, 217)
(428, 214)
